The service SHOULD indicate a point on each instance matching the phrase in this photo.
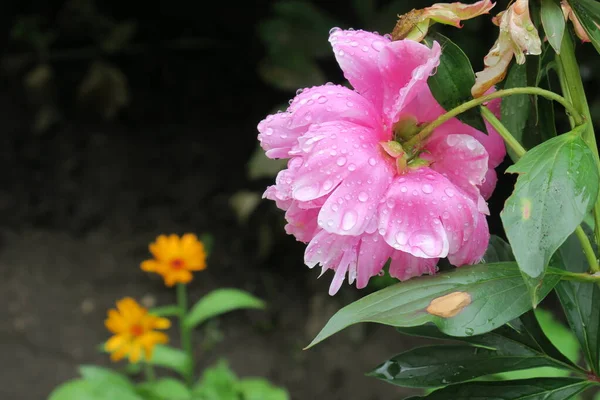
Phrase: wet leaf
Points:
(557, 186)
(588, 14)
(515, 109)
(497, 293)
(553, 21)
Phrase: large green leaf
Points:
(219, 302)
(260, 389)
(105, 375)
(588, 14)
(554, 23)
(466, 301)
(498, 251)
(557, 186)
(435, 366)
(515, 109)
(526, 389)
(217, 383)
(581, 302)
(171, 358)
(165, 389)
(451, 84)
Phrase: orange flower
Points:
(134, 331)
(175, 258)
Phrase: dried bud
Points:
(415, 24)
(569, 14)
(518, 37)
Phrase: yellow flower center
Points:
(177, 264)
(137, 330)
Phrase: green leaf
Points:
(217, 383)
(527, 389)
(492, 295)
(95, 373)
(165, 311)
(219, 302)
(581, 302)
(557, 186)
(435, 366)
(171, 358)
(515, 109)
(165, 389)
(451, 84)
(588, 14)
(82, 389)
(554, 23)
(209, 242)
(498, 251)
(260, 389)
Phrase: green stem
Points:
(573, 90)
(509, 139)
(587, 250)
(149, 372)
(579, 277)
(429, 128)
(186, 333)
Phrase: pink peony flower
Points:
(354, 194)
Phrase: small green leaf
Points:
(435, 366)
(260, 389)
(209, 242)
(81, 389)
(165, 389)
(165, 311)
(217, 383)
(526, 389)
(515, 109)
(557, 186)
(554, 23)
(588, 14)
(219, 302)
(171, 358)
(451, 84)
(105, 375)
(474, 299)
(581, 302)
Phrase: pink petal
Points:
(302, 223)
(332, 151)
(276, 135)
(489, 183)
(460, 158)
(425, 215)
(372, 256)
(405, 266)
(474, 246)
(339, 253)
(332, 103)
(352, 206)
(281, 192)
(357, 53)
(405, 67)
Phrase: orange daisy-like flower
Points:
(175, 258)
(134, 331)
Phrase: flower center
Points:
(136, 330)
(405, 158)
(177, 264)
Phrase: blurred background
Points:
(121, 121)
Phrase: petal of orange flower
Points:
(115, 322)
(150, 265)
(135, 353)
(121, 352)
(115, 342)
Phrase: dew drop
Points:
(349, 220)
(427, 188)
(363, 196)
(378, 45)
(327, 185)
(351, 167)
(372, 161)
(449, 192)
(322, 100)
(341, 161)
(404, 189)
(334, 30)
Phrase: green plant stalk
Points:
(520, 152)
(429, 128)
(149, 372)
(580, 277)
(186, 333)
(509, 139)
(573, 90)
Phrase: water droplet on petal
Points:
(334, 30)
(427, 188)
(452, 140)
(327, 185)
(378, 45)
(372, 161)
(363, 196)
(351, 167)
(349, 220)
(449, 192)
(341, 161)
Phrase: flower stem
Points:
(429, 128)
(580, 277)
(149, 372)
(574, 92)
(587, 250)
(186, 334)
(509, 139)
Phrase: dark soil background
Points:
(81, 196)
